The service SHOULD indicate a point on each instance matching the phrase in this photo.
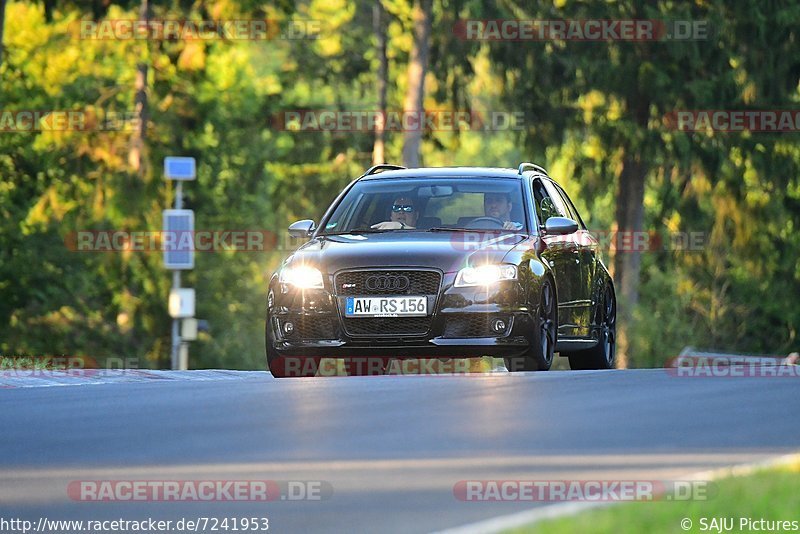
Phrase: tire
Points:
(540, 356)
(602, 355)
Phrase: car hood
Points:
(448, 251)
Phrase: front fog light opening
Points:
(499, 325)
(288, 328)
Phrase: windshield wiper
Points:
(447, 229)
(363, 231)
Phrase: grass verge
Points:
(772, 495)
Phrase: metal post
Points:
(176, 337)
(183, 356)
(179, 195)
(176, 284)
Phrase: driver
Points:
(403, 216)
(498, 205)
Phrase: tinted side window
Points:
(574, 215)
(548, 201)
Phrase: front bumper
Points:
(460, 325)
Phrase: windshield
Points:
(448, 203)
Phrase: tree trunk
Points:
(380, 127)
(135, 154)
(2, 25)
(417, 68)
(630, 222)
(628, 259)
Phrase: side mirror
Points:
(560, 226)
(302, 228)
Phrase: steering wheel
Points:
(493, 220)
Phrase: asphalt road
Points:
(391, 449)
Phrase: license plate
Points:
(386, 307)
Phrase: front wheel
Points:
(602, 355)
(540, 356)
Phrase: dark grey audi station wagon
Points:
(443, 263)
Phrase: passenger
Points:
(403, 215)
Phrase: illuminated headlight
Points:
(302, 276)
(485, 275)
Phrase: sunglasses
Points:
(397, 208)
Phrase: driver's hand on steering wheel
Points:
(511, 225)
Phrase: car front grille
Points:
(355, 283)
(401, 282)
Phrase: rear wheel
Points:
(540, 356)
(602, 355)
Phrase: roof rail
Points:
(382, 167)
(531, 167)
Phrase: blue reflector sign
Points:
(177, 240)
(178, 168)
